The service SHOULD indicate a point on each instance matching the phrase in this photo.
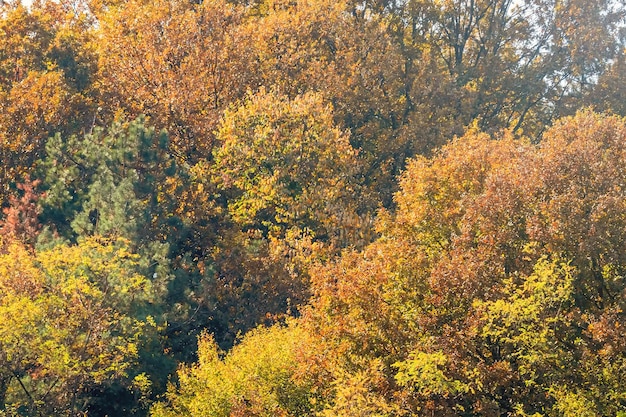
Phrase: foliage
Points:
(284, 164)
(176, 62)
(283, 175)
(256, 378)
(392, 182)
(485, 293)
(21, 222)
(109, 183)
(46, 76)
(71, 323)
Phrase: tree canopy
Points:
(312, 208)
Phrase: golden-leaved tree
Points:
(283, 178)
(176, 62)
(71, 325)
(46, 76)
(496, 287)
(258, 377)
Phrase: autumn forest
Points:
(292, 208)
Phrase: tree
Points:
(258, 377)
(179, 63)
(321, 47)
(124, 182)
(494, 287)
(21, 223)
(520, 64)
(282, 163)
(283, 178)
(72, 323)
(608, 95)
(46, 76)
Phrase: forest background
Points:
(312, 208)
